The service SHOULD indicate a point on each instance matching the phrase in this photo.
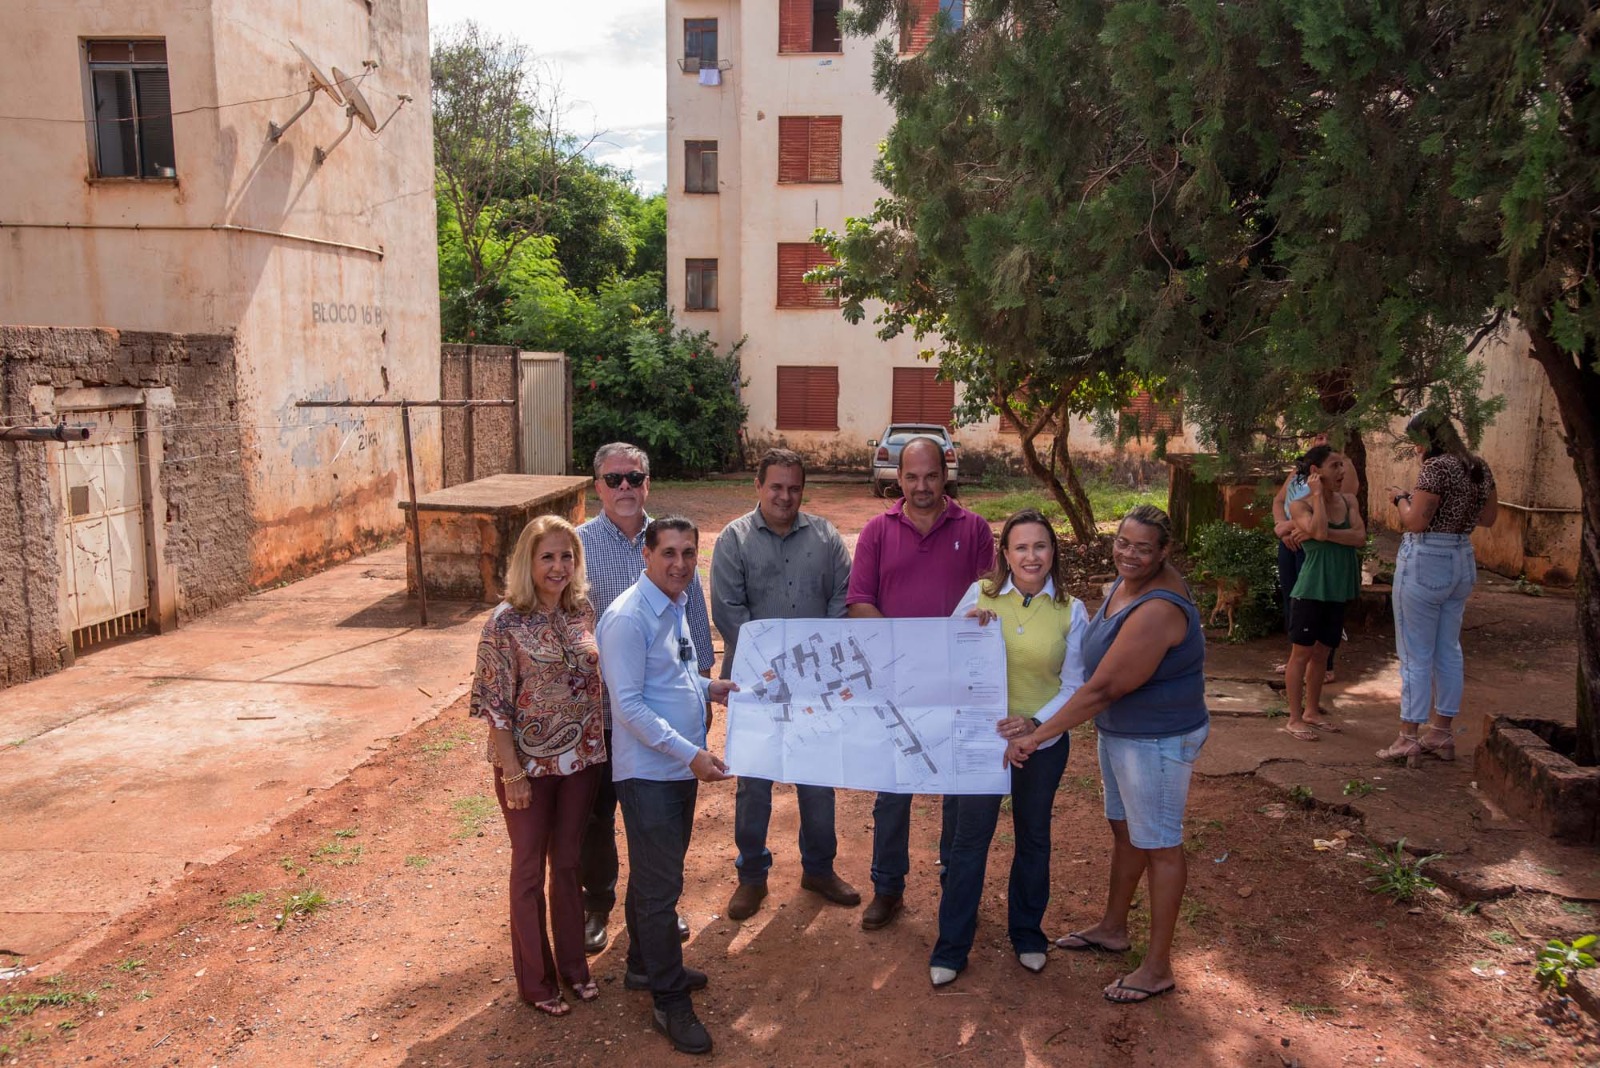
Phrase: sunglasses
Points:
(632, 478)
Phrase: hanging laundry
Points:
(710, 76)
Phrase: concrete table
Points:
(469, 530)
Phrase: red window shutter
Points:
(918, 396)
(823, 163)
(1148, 416)
(918, 30)
(794, 148)
(795, 258)
(808, 398)
(794, 26)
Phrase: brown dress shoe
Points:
(831, 887)
(881, 911)
(746, 901)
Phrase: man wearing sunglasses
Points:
(613, 543)
(658, 703)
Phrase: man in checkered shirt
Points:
(613, 547)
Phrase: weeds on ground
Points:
(418, 861)
(1576, 908)
(471, 814)
(1558, 960)
(129, 964)
(143, 995)
(301, 904)
(1395, 874)
(338, 854)
(1311, 1012)
(1502, 938)
(1302, 796)
(446, 742)
(1358, 788)
(292, 866)
(243, 906)
(14, 1006)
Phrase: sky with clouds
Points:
(610, 58)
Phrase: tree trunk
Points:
(1062, 458)
(1356, 450)
(1080, 518)
(1577, 390)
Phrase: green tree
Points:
(1300, 211)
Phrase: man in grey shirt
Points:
(778, 562)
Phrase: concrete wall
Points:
(1539, 526)
(198, 501)
(353, 312)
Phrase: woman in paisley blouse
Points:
(538, 686)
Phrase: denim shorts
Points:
(1147, 784)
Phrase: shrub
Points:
(1228, 552)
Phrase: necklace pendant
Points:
(1019, 628)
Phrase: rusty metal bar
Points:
(416, 522)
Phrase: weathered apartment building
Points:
(178, 270)
(772, 131)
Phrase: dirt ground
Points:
(399, 956)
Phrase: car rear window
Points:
(899, 435)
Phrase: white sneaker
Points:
(941, 976)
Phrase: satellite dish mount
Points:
(319, 82)
(356, 107)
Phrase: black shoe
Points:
(881, 912)
(683, 928)
(640, 981)
(833, 888)
(683, 1029)
(595, 935)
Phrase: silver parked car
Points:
(886, 453)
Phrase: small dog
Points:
(1230, 595)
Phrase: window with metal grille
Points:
(699, 44)
(130, 109)
(700, 285)
(808, 398)
(699, 166)
(795, 258)
(808, 148)
(920, 397)
(809, 26)
(921, 21)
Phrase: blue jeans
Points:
(657, 818)
(753, 812)
(1146, 783)
(1433, 575)
(891, 840)
(1033, 795)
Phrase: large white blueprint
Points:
(903, 705)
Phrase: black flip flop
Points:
(1146, 995)
(1089, 945)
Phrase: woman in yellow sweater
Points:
(1043, 627)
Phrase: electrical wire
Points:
(172, 114)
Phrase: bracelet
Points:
(1398, 497)
(518, 777)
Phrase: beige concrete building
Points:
(178, 271)
(772, 131)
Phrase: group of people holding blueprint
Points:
(933, 662)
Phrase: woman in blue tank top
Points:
(1144, 654)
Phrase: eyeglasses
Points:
(1143, 552)
(685, 650)
(632, 478)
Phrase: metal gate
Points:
(544, 391)
(107, 586)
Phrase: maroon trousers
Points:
(548, 832)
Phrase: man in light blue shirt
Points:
(612, 545)
(658, 758)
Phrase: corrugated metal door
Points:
(544, 391)
(107, 587)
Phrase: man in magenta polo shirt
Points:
(916, 559)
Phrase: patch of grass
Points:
(292, 866)
(338, 854)
(447, 742)
(1311, 1012)
(129, 964)
(1087, 783)
(1394, 873)
(1277, 710)
(471, 814)
(243, 906)
(13, 1006)
(1502, 938)
(1006, 839)
(302, 904)
(143, 995)
(1108, 499)
(66, 1025)
(348, 832)
(1193, 911)
(418, 861)
(1005, 803)
(1302, 796)
(1357, 788)
(1576, 908)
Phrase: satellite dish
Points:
(358, 106)
(318, 82)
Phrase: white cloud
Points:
(610, 58)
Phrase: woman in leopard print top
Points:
(1433, 575)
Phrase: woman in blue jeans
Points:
(1043, 628)
(1434, 573)
(1145, 655)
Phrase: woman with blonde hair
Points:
(538, 687)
